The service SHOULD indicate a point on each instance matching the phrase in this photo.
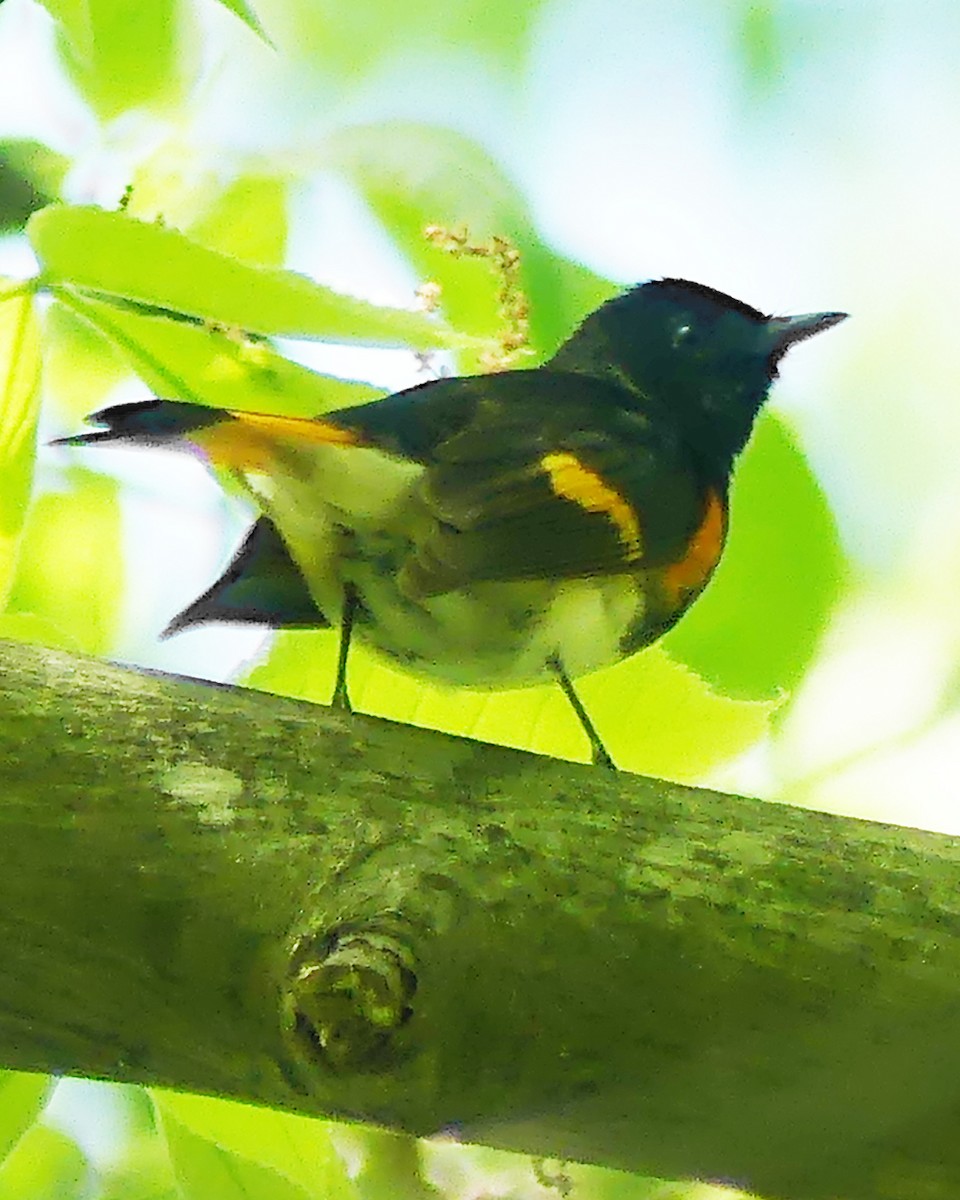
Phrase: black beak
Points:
(787, 331)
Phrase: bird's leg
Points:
(341, 699)
(600, 756)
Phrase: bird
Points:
(503, 529)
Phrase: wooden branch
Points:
(223, 891)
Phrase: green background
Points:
(798, 155)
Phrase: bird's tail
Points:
(146, 422)
(247, 441)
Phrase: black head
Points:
(702, 355)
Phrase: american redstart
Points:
(498, 530)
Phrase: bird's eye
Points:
(680, 334)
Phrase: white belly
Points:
(347, 520)
(500, 634)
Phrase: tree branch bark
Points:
(223, 891)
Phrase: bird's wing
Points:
(526, 474)
(540, 474)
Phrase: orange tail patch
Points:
(253, 441)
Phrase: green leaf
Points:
(303, 664)
(181, 188)
(204, 1170)
(655, 715)
(115, 256)
(75, 24)
(391, 1164)
(218, 1144)
(121, 54)
(80, 365)
(248, 16)
(44, 1165)
(70, 571)
(760, 43)
(35, 631)
(351, 38)
(757, 626)
(415, 175)
(30, 178)
(193, 362)
(22, 1097)
(19, 398)
(139, 1169)
(248, 220)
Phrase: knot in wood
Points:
(352, 990)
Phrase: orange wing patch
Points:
(686, 577)
(251, 441)
(573, 481)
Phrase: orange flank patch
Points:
(251, 441)
(686, 577)
(571, 480)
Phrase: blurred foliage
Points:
(44, 1165)
(19, 402)
(350, 40)
(247, 219)
(121, 55)
(142, 1171)
(70, 572)
(247, 14)
(22, 1096)
(757, 626)
(413, 176)
(760, 41)
(210, 365)
(80, 364)
(31, 175)
(203, 1169)
(283, 1155)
